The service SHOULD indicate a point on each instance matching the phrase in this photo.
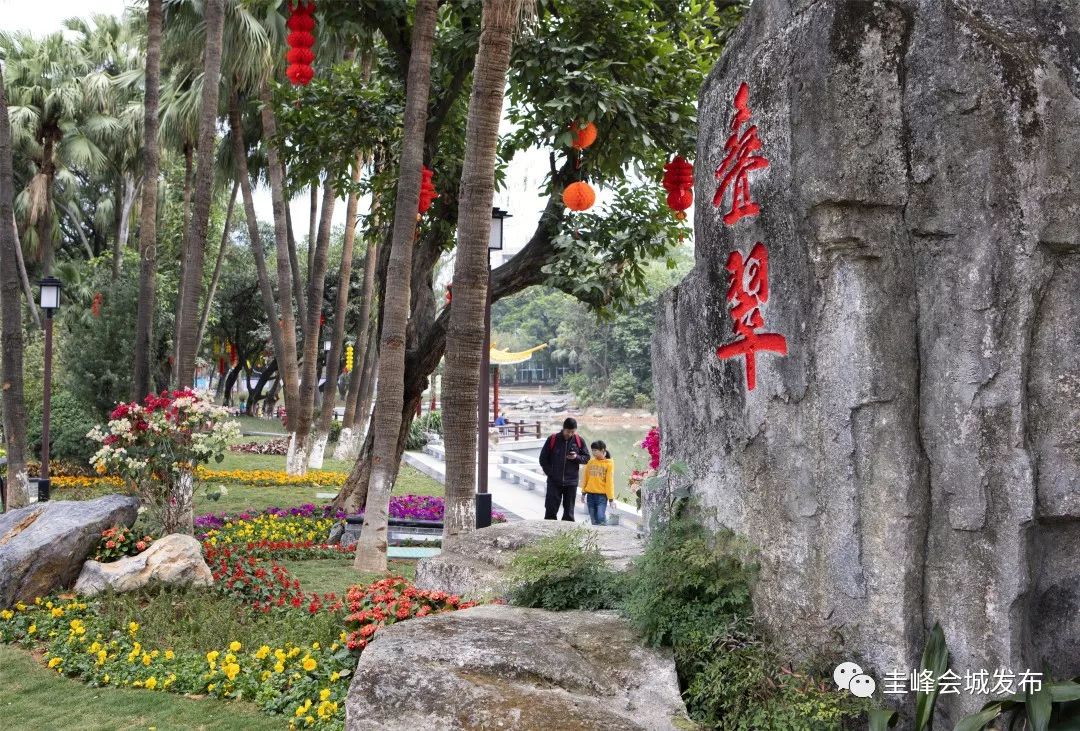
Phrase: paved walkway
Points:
(514, 499)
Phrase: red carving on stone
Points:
(739, 160)
(748, 290)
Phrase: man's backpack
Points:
(577, 440)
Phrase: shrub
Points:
(118, 542)
(432, 422)
(335, 430)
(564, 571)
(622, 389)
(689, 577)
(69, 422)
(417, 438)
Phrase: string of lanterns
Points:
(427, 190)
(348, 358)
(579, 195)
(679, 183)
(301, 23)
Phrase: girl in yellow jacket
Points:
(598, 483)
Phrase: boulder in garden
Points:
(43, 546)
(502, 667)
(474, 565)
(174, 559)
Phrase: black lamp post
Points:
(50, 302)
(483, 497)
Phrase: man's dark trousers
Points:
(556, 493)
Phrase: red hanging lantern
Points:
(584, 134)
(95, 306)
(579, 196)
(679, 183)
(427, 189)
(221, 366)
(234, 356)
(301, 23)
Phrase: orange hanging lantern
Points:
(679, 183)
(427, 189)
(301, 23)
(579, 196)
(584, 134)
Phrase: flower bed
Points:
(279, 447)
(259, 478)
(389, 601)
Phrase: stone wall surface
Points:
(915, 457)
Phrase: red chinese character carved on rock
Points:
(748, 290)
(739, 160)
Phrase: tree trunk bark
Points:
(148, 211)
(266, 289)
(256, 393)
(333, 370)
(313, 222)
(466, 335)
(296, 462)
(204, 188)
(17, 485)
(287, 364)
(348, 447)
(177, 516)
(185, 217)
(371, 547)
(217, 264)
(28, 293)
(297, 273)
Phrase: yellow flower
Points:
(55, 661)
(101, 657)
(314, 645)
(309, 721)
(151, 683)
(6, 614)
(31, 629)
(324, 694)
(265, 674)
(234, 646)
(342, 637)
(335, 676)
(210, 688)
(262, 652)
(230, 658)
(146, 659)
(105, 678)
(231, 670)
(309, 663)
(212, 656)
(57, 612)
(169, 654)
(133, 627)
(20, 606)
(279, 668)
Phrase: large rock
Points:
(915, 458)
(43, 546)
(474, 566)
(174, 559)
(501, 667)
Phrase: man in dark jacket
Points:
(561, 457)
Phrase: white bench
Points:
(515, 458)
(530, 479)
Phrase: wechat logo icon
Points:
(850, 677)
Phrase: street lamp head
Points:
(326, 345)
(50, 294)
(495, 242)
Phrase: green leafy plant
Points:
(564, 571)
(70, 419)
(118, 542)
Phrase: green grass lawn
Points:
(335, 575)
(32, 697)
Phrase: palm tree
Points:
(203, 194)
(322, 432)
(56, 123)
(148, 214)
(386, 422)
(11, 342)
(465, 336)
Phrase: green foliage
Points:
(622, 389)
(431, 422)
(417, 438)
(689, 577)
(935, 658)
(564, 571)
(70, 422)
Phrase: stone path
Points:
(515, 500)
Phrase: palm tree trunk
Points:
(297, 273)
(203, 194)
(217, 263)
(362, 422)
(296, 463)
(287, 365)
(185, 218)
(371, 547)
(266, 289)
(17, 486)
(333, 359)
(349, 441)
(31, 305)
(466, 334)
(313, 220)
